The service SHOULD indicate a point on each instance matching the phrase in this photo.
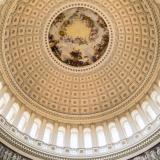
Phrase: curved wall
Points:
(7, 154)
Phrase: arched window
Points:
(149, 110)
(23, 121)
(47, 133)
(87, 138)
(3, 101)
(35, 128)
(136, 116)
(12, 113)
(155, 96)
(61, 136)
(126, 126)
(114, 132)
(100, 136)
(74, 138)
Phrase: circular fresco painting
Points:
(78, 37)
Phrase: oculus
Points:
(78, 37)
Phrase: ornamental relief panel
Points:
(151, 154)
(7, 154)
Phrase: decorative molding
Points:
(124, 149)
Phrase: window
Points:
(100, 136)
(87, 138)
(114, 132)
(61, 136)
(136, 116)
(149, 110)
(155, 96)
(3, 101)
(24, 119)
(74, 138)
(35, 128)
(126, 126)
(12, 113)
(47, 133)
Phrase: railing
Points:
(80, 152)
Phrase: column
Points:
(18, 116)
(153, 104)
(143, 115)
(8, 106)
(120, 129)
(133, 125)
(80, 137)
(42, 129)
(54, 135)
(107, 133)
(67, 136)
(29, 124)
(94, 136)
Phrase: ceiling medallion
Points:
(78, 37)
